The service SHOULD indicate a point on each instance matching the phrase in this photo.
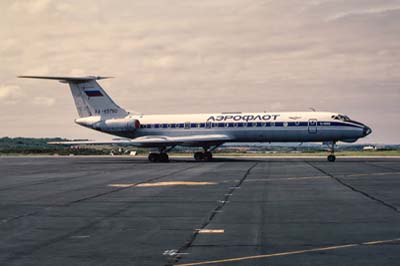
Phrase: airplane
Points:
(164, 132)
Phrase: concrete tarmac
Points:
(236, 211)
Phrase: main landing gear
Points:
(158, 157)
(332, 157)
(205, 156)
(161, 157)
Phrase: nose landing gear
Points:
(332, 157)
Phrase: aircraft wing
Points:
(155, 141)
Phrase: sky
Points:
(201, 57)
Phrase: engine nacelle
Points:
(112, 124)
(119, 124)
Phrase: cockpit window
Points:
(341, 117)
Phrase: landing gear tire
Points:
(203, 156)
(331, 158)
(199, 156)
(207, 156)
(154, 157)
(158, 157)
(164, 158)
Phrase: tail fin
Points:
(90, 98)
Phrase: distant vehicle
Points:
(369, 148)
(164, 132)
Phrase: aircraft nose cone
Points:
(367, 130)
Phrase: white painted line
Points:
(80, 237)
(172, 252)
(162, 184)
(210, 231)
(289, 253)
(121, 185)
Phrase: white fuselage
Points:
(247, 127)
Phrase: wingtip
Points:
(101, 77)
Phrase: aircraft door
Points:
(312, 126)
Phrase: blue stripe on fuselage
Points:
(250, 125)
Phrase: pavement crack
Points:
(32, 249)
(174, 259)
(342, 182)
(123, 188)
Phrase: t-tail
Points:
(90, 98)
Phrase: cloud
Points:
(205, 56)
(45, 101)
(37, 70)
(363, 12)
(30, 6)
(10, 94)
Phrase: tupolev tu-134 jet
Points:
(99, 112)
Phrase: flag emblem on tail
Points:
(93, 93)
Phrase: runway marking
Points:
(368, 174)
(210, 231)
(289, 252)
(121, 185)
(163, 184)
(172, 252)
(80, 237)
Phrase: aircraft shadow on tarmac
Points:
(115, 160)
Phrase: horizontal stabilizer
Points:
(66, 79)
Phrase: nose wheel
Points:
(332, 157)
